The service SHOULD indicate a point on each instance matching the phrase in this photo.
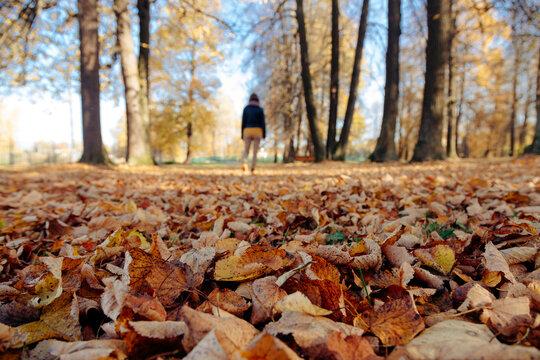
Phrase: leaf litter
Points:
(333, 260)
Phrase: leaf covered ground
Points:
(333, 261)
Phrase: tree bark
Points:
(340, 150)
(451, 96)
(93, 150)
(459, 111)
(306, 81)
(334, 81)
(143, 7)
(429, 146)
(512, 124)
(534, 148)
(138, 147)
(385, 149)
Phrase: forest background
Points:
(164, 61)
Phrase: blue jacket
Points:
(253, 117)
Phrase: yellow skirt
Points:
(253, 131)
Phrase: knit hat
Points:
(253, 97)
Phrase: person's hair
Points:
(253, 97)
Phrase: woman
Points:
(253, 130)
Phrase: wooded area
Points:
(462, 76)
(323, 256)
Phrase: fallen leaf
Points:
(200, 324)
(255, 262)
(229, 301)
(299, 302)
(267, 347)
(351, 347)
(59, 319)
(438, 257)
(463, 340)
(506, 316)
(93, 349)
(167, 280)
(495, 261)
(396, 322)
(309, 332)
(266, 293)
(518, 255)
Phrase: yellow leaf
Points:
(491, 278)
(439, 257)
(58, 320)
(299, 302)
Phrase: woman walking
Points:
(253, 130)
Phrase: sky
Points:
(43, 118)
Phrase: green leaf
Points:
(461, 226)
(336, 237)
(444, 233)
(2, 223)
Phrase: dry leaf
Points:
(464, 340)
(159, 329)
(495, 261)
(506, 316)
(518, 255)
(309, 332)
(396, 322)
(59, 320)
(351, 347)
(255, 262)
(267, 347)
(229, 301)
(300, 303)
(93, 349)
(265, 294)
(200, 324)
(438, 257)
(167, 280)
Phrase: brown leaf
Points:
(506, 316)
(267, 347)
(257, 261)
(167, 280)
(265, 295)
(309, 332)
(229, 301)
(396, 322)
(351, 347)
(200, 324)
(495, 261)
(464, 340)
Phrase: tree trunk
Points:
(189, 154)
(534, 148)
(385, 149)
(143, 7)
(512, 124)
(340, 150)
(429, 146)
(334, 81)
(299, 128)
(306, 81)
(451, 97)
(138, 146)
(459, 111)
(93, 150)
